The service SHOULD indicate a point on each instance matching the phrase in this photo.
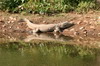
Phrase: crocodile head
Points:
(65, 25)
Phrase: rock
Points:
(4, 30)
(81, 37)
(98, 20)
(85, 31)
(79, 22)
(9, 22)
(98, 34)
(10, 27)
(82, 28)
(3, 26)
(17, 27)
(12, 19)
(92, 27)
(72, 29)
(85, 35)
(0, 20)
(85, 21)
(44, 21)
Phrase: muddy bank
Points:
(86, 25)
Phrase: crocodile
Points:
(37, 28)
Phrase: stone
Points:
(82, 28)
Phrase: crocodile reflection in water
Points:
(47, 36)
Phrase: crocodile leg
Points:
(36, 30)
(57, 29)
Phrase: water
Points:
(56, 51)
(16, 54)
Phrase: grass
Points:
(47, 6)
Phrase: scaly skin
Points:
(48, 27)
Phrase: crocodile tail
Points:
(26, 20)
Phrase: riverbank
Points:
(85, 24)
(85, 30)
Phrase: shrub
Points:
(85, 6)
(10, 5)
(47, 6)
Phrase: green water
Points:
(16, 54)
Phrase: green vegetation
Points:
(47, 6)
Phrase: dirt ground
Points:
(86, 25)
